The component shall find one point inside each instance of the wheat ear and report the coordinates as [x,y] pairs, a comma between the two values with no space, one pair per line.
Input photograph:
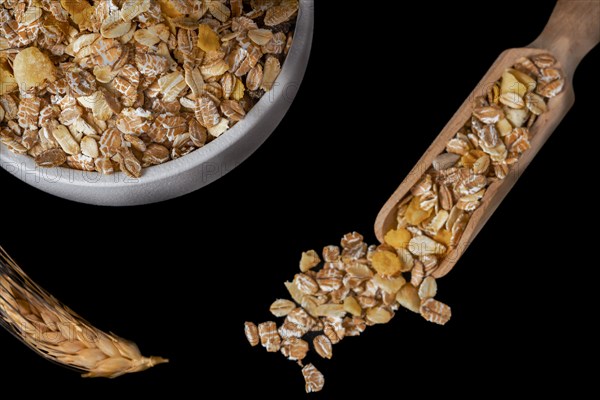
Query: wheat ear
[57,333]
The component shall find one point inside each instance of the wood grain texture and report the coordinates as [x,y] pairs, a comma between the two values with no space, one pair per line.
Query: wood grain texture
[572,31]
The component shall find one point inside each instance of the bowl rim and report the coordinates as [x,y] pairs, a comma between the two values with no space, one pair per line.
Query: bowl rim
[73,177]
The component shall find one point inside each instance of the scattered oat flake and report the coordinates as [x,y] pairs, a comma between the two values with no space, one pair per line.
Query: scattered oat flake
[314,378]
[251,332]
[435,311]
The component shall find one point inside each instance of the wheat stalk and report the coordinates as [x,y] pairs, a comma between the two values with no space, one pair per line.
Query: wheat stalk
[57,333]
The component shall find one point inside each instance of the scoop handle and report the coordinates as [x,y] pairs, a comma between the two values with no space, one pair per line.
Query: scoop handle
[571,32]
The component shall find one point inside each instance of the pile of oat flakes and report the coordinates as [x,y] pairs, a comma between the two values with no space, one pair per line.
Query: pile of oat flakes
[434,215]
[354,287]
[120,85]
[360,285]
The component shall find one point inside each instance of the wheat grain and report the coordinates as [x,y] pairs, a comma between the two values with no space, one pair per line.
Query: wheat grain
[57,333]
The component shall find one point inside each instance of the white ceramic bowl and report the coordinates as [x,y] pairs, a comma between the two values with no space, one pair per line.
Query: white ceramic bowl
[184,175]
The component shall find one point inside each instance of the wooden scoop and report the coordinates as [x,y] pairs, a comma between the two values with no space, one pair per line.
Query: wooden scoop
[572,31]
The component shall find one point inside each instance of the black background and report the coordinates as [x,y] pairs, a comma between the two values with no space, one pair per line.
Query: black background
[181,277]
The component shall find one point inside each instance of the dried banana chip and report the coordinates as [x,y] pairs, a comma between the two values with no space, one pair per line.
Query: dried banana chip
[33,68]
